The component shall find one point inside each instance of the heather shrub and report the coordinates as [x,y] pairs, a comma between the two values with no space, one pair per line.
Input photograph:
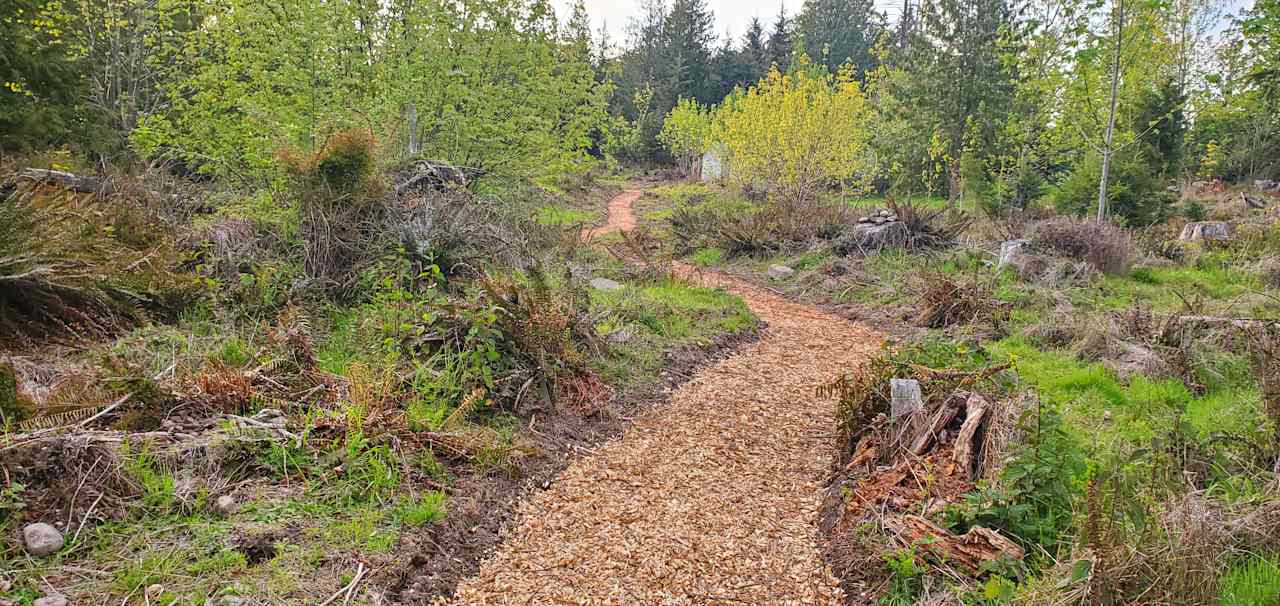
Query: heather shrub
[1103,245]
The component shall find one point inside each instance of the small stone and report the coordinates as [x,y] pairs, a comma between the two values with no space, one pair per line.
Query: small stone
[779,272]
[604,284]
[225,505]
[232,600]
[52,599]
[830,283]
[154,591]
[42,539]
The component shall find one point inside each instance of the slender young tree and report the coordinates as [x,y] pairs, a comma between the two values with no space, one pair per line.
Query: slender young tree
[779,44]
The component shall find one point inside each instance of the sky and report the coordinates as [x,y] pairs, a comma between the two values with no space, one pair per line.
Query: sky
[731,15]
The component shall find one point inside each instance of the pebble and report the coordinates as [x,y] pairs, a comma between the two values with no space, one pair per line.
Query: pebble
[42,539]
[52,599]
[780,271]
[225,505]
[604,284]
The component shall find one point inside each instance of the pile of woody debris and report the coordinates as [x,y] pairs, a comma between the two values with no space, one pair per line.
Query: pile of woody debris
[916,440]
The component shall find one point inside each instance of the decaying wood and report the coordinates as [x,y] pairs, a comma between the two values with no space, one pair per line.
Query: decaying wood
[925,438]
[967,552]
[965,449]
[75,183]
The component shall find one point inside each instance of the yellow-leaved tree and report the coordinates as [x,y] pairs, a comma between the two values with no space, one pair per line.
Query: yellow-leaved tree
[798,133]
[685,131]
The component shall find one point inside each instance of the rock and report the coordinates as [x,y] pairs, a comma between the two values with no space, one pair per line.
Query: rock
[1266,185]
[41,539]
[605,284]
[154,591]
[870,238]
[621,336]
[906,398]
[225,505]
[830,283]
[1203,231]
[1008,249]
[52,599]
[779,272]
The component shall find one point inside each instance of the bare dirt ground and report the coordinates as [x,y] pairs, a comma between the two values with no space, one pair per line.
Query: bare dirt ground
[710,498]
[620,217]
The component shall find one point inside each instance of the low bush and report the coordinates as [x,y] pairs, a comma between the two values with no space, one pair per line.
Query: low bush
[340,200]
[1133,192]
[1102,245]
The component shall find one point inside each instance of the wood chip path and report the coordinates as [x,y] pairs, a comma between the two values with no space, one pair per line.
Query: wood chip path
[710,498]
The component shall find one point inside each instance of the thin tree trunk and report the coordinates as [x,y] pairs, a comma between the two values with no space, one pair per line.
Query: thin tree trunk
[1107,149]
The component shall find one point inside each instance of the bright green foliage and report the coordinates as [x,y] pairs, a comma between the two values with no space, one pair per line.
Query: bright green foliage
[479,84]
[428,509]
[1255,582]
[686,132]
[1134,193]
[798,133]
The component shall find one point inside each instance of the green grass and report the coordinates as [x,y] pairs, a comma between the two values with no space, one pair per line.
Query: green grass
[1255,582]
[881,201]
[657,317]
[1210,278]
[706,257]
[1140,410]
[563,216]
[428,509]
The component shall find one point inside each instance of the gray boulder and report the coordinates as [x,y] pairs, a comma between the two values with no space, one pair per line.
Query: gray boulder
[1204,231]
[604,284]
[779,272]
[41,539]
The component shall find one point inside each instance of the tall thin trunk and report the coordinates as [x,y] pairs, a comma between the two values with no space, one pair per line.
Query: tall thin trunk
[1107,150]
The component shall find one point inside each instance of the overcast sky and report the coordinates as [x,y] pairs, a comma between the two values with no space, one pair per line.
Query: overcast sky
[731,15]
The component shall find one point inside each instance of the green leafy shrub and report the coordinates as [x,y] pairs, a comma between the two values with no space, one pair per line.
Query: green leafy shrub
[1133,192]
[1035,497]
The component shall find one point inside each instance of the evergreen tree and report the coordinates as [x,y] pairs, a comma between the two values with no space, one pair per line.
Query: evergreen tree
[39,80]
[688,39]
[839,31]
[755,48]
[779,44]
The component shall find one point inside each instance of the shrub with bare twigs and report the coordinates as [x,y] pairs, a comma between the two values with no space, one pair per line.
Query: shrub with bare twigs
[1102,245]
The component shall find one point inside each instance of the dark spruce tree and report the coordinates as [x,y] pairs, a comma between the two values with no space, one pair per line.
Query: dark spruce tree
[840,31]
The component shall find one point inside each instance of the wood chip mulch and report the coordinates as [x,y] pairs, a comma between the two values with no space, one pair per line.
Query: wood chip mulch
[710,498]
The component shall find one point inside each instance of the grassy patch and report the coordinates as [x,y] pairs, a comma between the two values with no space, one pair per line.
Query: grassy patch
[564,217]
[645,321]
[1254,582]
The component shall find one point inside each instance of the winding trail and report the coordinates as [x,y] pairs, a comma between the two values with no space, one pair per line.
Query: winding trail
[710,498]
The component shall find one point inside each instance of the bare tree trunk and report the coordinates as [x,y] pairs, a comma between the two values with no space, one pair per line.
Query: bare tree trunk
[412,112]
[1107,149]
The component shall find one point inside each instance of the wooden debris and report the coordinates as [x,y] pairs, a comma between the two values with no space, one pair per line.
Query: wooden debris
[966,451]
[923,440]
[967,552]
[75,183]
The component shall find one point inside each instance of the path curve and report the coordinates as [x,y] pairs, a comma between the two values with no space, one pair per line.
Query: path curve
[710,498]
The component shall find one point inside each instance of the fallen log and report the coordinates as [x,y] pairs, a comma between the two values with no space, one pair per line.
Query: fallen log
[968,552]
[66,180]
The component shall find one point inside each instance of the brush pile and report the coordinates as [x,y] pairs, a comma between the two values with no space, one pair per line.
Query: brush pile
[915,440]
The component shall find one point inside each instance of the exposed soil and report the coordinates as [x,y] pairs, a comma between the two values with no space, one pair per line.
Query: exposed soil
[710,497]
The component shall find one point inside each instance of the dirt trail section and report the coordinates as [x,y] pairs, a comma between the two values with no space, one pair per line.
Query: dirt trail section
[711,498]
[620,217]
